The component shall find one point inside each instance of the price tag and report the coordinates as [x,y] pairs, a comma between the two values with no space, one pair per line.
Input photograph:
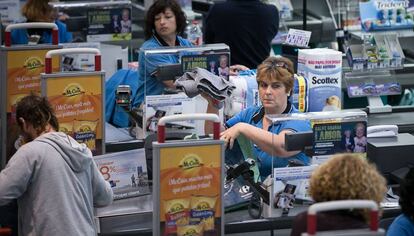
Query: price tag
[358,66]
[298,37]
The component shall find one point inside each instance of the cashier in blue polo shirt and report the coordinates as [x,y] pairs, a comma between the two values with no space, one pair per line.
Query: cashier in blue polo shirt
[275,82]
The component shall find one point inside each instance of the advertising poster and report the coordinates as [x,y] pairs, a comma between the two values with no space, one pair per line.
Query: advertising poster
[77,101]
[109,24]
[190,190]
[379,15]
[216,63]
[10,12]
[159,106]
[79,62]
[340,137]
[291,183]
[23,78]
[126,172]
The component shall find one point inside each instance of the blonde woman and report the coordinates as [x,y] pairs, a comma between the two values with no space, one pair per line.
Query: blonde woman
[275,82]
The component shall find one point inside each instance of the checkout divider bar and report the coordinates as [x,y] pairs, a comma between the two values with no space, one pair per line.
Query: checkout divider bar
[31,25]
[183,117]
[66,51]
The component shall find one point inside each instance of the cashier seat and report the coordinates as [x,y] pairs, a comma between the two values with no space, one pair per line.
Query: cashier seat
[148,147]
[5,232]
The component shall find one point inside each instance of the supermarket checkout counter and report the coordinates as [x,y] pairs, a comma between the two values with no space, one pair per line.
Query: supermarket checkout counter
[133,216]
[119,139]
[140,223]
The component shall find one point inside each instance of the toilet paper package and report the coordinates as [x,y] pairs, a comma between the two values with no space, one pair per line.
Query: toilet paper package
[322,69]
[245,94]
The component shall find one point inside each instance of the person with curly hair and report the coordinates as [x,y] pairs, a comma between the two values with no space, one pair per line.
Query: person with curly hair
[343,177]
[403,225]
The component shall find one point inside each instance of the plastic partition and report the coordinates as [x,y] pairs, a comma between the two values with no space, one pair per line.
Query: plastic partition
[159,67]
[314,137]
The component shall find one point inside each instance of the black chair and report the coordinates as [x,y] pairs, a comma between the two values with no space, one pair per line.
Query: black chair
[8,219]
[148,147]
[385,223]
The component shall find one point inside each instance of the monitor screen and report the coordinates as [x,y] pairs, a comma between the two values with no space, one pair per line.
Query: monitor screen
[392,153]
[410,6]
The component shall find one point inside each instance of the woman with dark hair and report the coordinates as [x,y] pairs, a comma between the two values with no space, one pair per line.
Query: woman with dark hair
[38,112]
[40,11]
[51,175]
[165,22]
[403,225]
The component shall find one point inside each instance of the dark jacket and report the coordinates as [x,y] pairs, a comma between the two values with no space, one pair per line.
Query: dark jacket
[347,147]
[247,26]
[326,221]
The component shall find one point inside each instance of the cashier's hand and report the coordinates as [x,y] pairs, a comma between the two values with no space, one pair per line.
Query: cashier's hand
[212,103]
[234,69]
[231,134]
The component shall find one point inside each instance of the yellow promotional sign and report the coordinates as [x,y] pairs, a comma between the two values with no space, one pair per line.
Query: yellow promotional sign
[23,70]
[190,190]
[77,101]
[23,73]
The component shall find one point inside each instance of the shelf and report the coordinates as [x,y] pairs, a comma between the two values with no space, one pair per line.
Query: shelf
[400,33]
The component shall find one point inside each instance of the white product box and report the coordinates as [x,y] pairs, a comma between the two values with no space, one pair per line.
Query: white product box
[322,69]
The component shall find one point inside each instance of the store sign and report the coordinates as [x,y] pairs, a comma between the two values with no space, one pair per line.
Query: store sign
[385,15]
[338,137]
[190,190]
[388,4]
[20,72]
[77,101]
[126,172]
[109,24]
[299,38]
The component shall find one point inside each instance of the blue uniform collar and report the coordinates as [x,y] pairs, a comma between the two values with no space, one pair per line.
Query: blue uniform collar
[258,116]
[161,41]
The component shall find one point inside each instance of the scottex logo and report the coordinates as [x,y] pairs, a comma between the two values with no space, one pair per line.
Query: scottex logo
[327,80]
[190,161]
[73,90]
[33,63]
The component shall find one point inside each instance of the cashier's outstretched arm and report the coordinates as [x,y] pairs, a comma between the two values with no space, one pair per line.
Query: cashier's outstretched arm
[273,144]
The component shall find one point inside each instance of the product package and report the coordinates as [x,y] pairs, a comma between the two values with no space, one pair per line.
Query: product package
[299,97]
[379,15]
[322,68]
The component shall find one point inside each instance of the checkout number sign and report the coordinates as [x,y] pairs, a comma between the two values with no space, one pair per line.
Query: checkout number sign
[77,101]
[190,190]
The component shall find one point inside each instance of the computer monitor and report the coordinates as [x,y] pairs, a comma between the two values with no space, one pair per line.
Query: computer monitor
[202,6]
[391,154]
[410,6]
[76,23]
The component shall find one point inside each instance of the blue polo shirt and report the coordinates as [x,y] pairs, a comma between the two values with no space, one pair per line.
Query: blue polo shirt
[401,226]
[254,116]
[20,36]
